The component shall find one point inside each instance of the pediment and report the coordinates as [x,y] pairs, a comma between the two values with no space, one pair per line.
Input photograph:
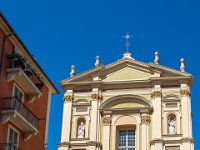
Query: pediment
[125,69]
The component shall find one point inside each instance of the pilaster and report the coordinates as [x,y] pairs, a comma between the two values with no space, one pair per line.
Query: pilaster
[157,117]
[67,115]
[145,120]
[106,122]
[186,110]
[187,141]
[96,97]
[157,113]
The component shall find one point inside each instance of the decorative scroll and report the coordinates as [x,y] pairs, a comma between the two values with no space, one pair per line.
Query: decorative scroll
[145,119]
[68,98]
[106,121]
[156,94]
[185,93]
[97,96]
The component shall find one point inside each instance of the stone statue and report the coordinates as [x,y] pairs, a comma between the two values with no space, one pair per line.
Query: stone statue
[172,129]
[81,131]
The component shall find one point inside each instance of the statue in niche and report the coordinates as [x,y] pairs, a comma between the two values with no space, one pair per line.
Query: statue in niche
[81,131]
[171,124]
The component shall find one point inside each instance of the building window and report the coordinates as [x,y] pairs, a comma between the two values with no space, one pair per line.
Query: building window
[13,138]
[126,140]
[18,94]
[81,109]
[172,148]
[171,105]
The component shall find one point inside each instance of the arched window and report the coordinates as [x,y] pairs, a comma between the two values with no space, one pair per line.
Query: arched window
[80,131]
[172,124]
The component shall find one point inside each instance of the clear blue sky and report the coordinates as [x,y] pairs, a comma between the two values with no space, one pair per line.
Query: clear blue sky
[60,33]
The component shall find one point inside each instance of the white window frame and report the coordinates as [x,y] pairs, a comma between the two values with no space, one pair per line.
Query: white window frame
[126,129]
[16,86]
[168,145]
[8,134]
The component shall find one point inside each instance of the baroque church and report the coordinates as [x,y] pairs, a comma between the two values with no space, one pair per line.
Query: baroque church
[127,105]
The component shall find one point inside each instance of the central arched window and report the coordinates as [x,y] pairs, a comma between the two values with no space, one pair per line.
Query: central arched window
[126,137]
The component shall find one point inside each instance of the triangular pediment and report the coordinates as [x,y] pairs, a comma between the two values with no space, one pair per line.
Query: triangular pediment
[125,69]
[126,73]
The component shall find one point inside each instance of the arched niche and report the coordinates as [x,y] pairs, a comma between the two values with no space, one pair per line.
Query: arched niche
[172,124]
[76,121]
[81,121]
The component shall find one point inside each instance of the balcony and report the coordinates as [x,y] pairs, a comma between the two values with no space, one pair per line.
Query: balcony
[14,111]
[8,146]
[20,72]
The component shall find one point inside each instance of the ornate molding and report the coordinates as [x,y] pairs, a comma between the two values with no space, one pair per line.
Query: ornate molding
[156,140]
[185,93]
[106,121]
[145,119]
[64,144]
[156,94]
[187,139]
[68,98]
[96,96]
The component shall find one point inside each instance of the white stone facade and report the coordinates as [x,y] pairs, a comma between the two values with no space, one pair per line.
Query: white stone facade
[128,100]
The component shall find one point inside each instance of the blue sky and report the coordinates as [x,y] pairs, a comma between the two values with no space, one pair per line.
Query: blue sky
[60,33]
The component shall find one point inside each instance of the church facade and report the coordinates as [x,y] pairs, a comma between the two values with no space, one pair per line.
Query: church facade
[127,105]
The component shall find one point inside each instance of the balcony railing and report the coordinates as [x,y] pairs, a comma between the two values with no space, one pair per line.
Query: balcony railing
[8,146]
[17,61]
[12,103]
[20,72]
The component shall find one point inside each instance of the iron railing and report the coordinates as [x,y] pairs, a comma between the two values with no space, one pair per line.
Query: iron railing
[17,61]
[8,146]
[12,103]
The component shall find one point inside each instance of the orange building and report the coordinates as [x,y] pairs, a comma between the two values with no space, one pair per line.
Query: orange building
[25,95]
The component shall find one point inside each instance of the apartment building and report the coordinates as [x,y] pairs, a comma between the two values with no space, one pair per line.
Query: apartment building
[25,95]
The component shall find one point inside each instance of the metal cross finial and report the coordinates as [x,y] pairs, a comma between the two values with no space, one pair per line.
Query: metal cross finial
[127,36]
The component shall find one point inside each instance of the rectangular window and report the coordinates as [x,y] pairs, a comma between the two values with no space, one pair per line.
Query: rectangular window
[13,139]
[126,140]
[18,94]
[81,109]
[171,105]
[172,148]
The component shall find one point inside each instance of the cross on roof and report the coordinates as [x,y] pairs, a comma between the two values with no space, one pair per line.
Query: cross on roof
[127,36]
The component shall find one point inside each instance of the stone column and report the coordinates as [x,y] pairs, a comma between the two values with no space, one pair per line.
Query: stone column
[106,121]
[66,124]
[145,120]
[157,116]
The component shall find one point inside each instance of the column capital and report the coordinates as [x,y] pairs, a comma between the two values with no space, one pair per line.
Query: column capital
[96,96]
[185,93]
[106,121]
[68,98]
[156,94]
[145,119]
